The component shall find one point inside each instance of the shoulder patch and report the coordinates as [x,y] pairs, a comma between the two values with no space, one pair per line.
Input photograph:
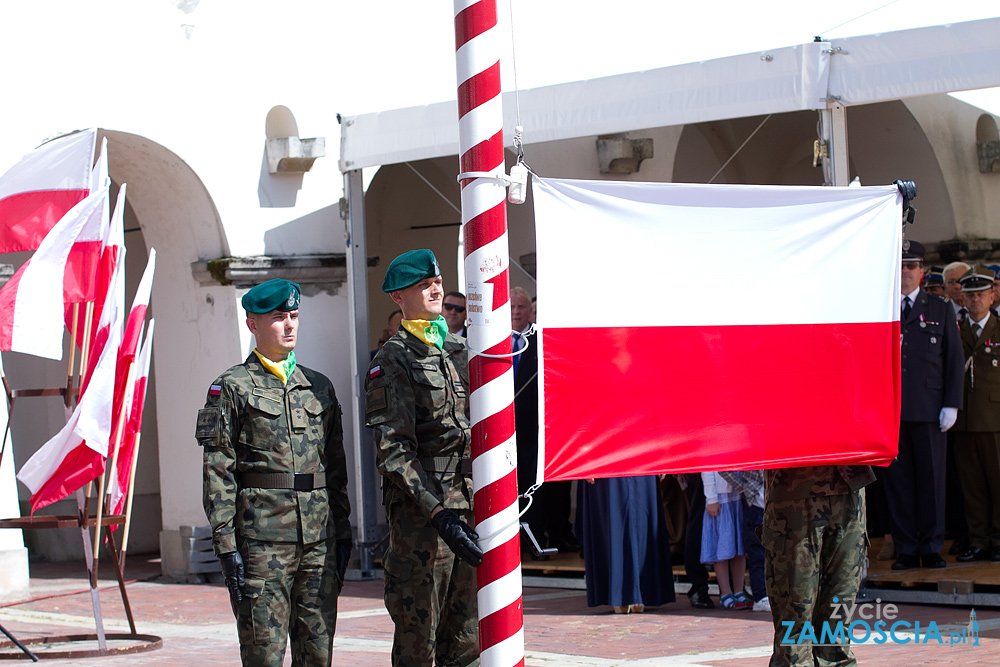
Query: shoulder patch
[215,390]
[375,400]
[374,372]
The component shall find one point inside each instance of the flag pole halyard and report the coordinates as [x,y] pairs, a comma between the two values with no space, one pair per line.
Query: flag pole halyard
[484,225]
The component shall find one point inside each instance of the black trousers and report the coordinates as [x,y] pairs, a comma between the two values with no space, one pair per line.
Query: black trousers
[696,572]
[915,489]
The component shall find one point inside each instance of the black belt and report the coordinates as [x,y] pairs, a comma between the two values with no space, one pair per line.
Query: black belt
[444,464]
[299,481]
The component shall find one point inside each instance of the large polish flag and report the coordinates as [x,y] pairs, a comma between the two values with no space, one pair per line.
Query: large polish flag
[31,302]
[42,187]
[77,454]
[695,327]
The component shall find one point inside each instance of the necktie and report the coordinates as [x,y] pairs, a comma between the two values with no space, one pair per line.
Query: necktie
[976,329]
[962,312]
[906,307]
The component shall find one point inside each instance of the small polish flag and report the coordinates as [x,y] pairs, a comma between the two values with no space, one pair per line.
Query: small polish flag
[375,371]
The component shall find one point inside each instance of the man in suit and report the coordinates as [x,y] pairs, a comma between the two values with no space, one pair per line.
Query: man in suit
[932,365]
[548,516]
[977,452]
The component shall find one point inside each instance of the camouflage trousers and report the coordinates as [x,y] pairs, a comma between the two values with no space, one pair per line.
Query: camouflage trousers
[290,591]
[816,549]
[429,592]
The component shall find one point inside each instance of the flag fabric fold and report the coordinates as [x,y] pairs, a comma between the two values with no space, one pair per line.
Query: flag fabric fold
[119,487]
[42,187]
[80,278]
[691,327]
[31,302]
[76,455]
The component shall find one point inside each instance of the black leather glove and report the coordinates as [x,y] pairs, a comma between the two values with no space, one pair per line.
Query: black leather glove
[344,548]
[232,570]
[459,536]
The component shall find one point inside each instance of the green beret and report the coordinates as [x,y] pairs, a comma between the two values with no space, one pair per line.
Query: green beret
[409,269]
[277,294]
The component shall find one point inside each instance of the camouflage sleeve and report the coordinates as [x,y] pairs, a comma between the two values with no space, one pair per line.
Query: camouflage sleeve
[216,432]
[336,472]
[390,410]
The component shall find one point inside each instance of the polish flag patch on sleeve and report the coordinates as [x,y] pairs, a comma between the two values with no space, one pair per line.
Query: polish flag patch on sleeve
[374,372]
[215,390]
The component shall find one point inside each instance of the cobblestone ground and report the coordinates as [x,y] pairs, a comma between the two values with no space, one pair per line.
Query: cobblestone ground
[196,626]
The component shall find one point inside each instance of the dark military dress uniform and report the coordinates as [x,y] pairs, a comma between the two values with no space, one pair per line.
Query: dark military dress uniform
[418,406]
[931,378]
[815,543]
[977,436]
[276,491]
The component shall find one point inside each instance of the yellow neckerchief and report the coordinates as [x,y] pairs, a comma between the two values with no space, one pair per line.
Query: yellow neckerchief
[432,333]
[280,369]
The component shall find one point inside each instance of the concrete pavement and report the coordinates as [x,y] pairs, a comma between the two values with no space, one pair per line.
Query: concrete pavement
[196,625]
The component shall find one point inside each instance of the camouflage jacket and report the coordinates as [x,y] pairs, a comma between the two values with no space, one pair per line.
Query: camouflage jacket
[417,402]
[252,423]
[814,481]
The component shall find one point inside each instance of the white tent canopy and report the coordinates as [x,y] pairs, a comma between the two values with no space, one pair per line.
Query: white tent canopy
[850,71]
[817,76]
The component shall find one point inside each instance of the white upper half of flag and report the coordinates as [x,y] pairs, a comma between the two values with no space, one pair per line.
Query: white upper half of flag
[614,253]
[62,164]
[145,353]
[95,407]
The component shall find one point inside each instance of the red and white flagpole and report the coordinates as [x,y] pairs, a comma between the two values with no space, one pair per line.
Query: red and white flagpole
[484,220]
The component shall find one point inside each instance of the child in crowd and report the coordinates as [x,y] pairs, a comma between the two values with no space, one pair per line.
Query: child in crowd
[722,540]
[750,485]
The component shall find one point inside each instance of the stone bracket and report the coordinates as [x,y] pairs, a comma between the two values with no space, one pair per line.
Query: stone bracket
[291,155]
[617,154]
[243,272]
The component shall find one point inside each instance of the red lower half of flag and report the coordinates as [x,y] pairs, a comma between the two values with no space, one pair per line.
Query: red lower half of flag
[80,465]
[645,400]
[26,217]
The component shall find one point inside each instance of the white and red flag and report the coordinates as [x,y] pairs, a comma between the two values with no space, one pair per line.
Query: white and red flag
[696,327]
[31,302]
[130,346]
[76,455]
[80,279]
[42,187]
[119,486]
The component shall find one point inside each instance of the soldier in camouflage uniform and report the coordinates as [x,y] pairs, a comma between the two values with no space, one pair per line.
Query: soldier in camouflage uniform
[418,405]
[815,542]
[276,489]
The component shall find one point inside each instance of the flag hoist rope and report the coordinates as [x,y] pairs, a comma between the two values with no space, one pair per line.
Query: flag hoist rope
[484,224]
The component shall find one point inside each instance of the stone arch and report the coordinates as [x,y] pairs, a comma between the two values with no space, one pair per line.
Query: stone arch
[170,209]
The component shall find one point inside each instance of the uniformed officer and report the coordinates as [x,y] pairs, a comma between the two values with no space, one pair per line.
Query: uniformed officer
[931,364]
[276,489]
[815,548]
[418,405]
[977,448]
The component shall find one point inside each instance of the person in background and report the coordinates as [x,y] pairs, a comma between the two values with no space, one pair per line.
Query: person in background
[625,551]
[391,327]
[454,313]
[722,540]
[750,485]
[934,281]
[931,373]
[952,288]
[977,432]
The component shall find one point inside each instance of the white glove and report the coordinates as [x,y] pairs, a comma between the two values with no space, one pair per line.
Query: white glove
[947,418]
